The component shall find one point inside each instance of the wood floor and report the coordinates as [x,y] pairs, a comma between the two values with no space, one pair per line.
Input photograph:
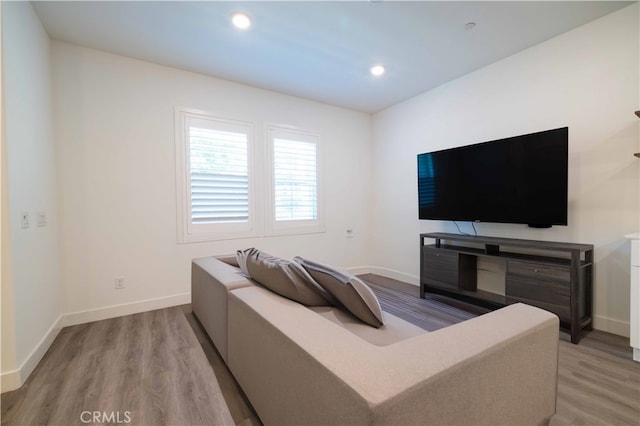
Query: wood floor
[598,383]
[148,368]
[162,368]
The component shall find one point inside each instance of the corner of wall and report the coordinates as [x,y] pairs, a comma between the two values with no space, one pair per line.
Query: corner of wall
[29,324]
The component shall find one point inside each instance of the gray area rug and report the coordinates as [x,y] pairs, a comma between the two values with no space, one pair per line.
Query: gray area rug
[429,314]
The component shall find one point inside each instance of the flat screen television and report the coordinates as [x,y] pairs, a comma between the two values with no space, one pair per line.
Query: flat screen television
[521,179]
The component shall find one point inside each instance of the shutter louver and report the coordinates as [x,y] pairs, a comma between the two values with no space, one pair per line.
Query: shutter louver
[219,181]
[295,180]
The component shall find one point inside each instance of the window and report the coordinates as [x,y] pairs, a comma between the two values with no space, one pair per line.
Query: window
[227,188]
[214,180]
[294,181]
[219,176]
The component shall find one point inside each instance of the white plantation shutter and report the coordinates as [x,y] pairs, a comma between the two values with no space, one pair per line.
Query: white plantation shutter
[213,169]
[219,176]
[230,185]
[295,180]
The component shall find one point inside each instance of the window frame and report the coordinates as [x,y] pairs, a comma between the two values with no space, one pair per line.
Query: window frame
[189,232]
[261,185]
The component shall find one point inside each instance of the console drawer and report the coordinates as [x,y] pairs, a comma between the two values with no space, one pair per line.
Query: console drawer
[563,311]
[555,273]
[544,286]
[439,267]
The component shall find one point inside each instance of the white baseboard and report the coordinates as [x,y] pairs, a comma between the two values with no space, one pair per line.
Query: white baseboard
[385,272]
[114,311]
[12,380]
[359,270]
[610,325]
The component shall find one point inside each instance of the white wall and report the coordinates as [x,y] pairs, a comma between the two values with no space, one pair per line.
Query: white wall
[30,263]
[586,79]
[114,128]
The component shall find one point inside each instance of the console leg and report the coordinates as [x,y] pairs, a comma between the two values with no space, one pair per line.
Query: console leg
[575,333]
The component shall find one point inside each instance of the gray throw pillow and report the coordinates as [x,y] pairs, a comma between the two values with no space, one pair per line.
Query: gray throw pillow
[241,258]
[348,289]
[283,277]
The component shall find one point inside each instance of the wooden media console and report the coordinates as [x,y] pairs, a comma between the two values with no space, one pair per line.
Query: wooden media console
[554,276]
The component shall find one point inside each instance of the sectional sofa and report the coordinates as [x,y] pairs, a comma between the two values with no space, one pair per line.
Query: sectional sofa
[302,366]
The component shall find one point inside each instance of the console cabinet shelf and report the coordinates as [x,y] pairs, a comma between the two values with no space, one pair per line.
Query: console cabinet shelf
[551,275]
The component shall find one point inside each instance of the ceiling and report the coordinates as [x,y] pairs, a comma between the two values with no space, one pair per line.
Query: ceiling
[321,50]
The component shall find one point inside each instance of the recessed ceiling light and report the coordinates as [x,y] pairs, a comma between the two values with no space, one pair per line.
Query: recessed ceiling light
[241,21]
[469,25]
[377,70]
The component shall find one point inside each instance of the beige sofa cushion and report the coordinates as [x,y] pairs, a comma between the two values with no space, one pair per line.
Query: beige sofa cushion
[394,329]
[348,289]
[283,277]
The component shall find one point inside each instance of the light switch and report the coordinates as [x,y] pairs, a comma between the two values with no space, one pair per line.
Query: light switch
[25,220]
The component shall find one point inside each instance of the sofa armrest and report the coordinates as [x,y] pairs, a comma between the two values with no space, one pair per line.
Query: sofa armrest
[297,367]
[498,368]
[211,280]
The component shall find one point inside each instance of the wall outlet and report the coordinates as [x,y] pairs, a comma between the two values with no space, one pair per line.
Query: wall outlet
[350,233]
[25,221]
[42,219]
[119,283]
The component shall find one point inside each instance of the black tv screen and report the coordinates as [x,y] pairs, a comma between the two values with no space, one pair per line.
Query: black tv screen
[521,179]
